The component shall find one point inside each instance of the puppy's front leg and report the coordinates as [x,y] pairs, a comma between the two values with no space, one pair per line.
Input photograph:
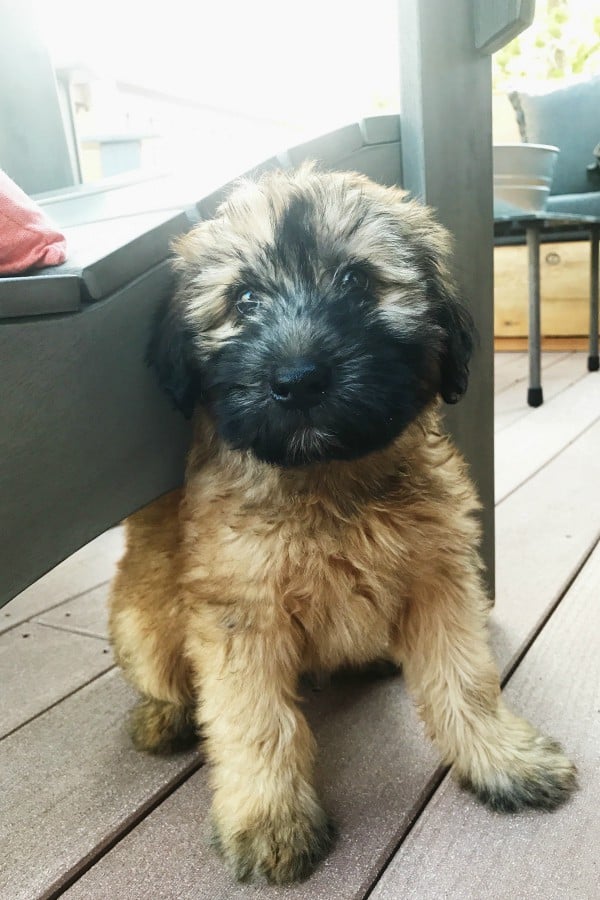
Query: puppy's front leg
[499,756]
[267,819]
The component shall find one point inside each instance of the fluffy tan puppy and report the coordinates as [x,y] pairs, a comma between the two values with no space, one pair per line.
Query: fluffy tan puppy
[326,519]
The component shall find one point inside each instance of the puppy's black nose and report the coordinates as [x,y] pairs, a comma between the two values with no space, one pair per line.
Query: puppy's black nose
[300,384]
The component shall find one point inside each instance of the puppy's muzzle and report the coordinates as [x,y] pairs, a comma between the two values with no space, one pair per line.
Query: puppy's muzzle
[300,384]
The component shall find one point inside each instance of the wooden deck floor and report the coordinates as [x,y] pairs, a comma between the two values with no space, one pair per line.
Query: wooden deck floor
[84,816]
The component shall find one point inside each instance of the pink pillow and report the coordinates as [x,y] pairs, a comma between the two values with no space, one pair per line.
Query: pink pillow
[27,238]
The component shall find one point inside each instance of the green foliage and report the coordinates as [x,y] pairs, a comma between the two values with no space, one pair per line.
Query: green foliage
[563,41]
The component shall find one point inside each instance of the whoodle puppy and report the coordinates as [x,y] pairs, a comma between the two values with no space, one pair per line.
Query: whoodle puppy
[326,518]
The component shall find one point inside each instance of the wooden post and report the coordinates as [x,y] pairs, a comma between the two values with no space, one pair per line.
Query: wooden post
[446,144]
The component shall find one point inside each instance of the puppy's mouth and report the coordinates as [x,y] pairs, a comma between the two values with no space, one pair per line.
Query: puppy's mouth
[299,396]
[309,444]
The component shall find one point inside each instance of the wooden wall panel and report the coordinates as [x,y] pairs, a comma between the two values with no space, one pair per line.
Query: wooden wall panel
[565,289]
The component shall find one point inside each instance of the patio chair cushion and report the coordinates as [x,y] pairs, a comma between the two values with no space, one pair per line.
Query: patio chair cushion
[567,118]
[586,204]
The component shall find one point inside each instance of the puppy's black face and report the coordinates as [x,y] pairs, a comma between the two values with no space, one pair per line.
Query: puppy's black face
[315,319]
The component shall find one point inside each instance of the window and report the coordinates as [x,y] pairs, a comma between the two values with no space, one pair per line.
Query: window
[191,87]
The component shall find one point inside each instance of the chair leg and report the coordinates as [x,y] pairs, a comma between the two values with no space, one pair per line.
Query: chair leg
[535,396]
[593,361]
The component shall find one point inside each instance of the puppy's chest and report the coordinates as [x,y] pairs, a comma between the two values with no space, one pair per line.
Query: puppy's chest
[332,574]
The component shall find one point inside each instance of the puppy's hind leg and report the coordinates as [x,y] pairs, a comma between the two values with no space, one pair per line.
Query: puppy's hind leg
[147,626]
[162,727]
[503,759]
[152,661]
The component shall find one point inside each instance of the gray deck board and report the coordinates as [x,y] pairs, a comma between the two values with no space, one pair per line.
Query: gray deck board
[85,614]
[502,360]
[460,850]
[559,374]
[509,372]
[545,530]
[527,445]
[69,781]
[89,567]
[39,666]
[508,368]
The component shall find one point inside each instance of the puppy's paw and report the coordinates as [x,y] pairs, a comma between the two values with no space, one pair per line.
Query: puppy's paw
[160,727]
[279,850]
[538,775]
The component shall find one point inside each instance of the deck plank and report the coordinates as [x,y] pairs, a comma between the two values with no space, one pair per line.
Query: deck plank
[543,533]
[39,666]
[86,614]
[510,368]
[517,369]
[507,368]
[527,445]
[504,358]
[90,566]
[459,849]
[375,766]
[511,404]
[69,780]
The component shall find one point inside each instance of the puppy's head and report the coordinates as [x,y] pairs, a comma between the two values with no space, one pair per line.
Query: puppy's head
[315,318]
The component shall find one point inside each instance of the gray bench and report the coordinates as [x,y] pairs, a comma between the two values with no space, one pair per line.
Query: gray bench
[86,436]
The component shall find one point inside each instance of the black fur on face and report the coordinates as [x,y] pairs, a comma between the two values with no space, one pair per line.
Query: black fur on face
[315,318]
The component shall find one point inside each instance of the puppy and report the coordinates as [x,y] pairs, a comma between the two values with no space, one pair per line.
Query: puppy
[326,518]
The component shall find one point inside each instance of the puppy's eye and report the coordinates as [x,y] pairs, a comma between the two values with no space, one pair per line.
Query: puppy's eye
[354,280]
[246,301]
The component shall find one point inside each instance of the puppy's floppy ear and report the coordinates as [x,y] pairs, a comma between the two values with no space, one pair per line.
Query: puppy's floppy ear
[171,354]
[449,314]
[432,244]
[458,329]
